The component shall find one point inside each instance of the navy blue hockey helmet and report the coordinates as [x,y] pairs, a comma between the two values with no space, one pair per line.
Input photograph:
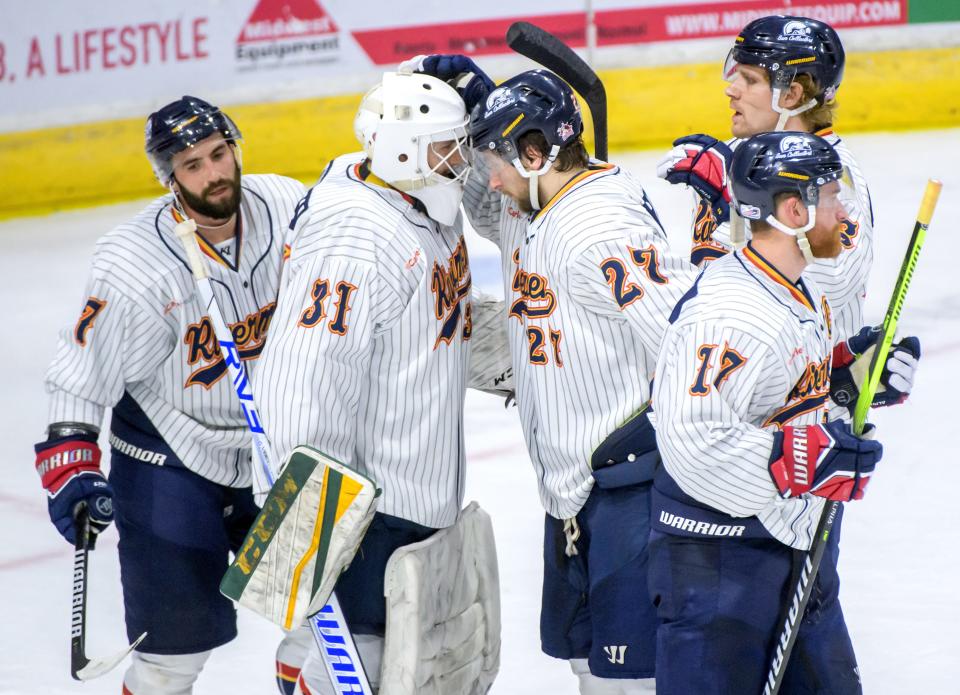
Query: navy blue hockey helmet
[179,125]
[536,100]
[769,164]
[789,46]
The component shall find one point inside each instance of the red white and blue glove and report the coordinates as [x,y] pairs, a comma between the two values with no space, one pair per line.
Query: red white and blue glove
[69,467]
[826,460]
[701,162]
[851,360]
[459,71]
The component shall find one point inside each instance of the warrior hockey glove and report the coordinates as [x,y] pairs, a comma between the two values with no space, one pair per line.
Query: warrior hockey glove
[825,460]
[851,360]
[69,467]
[459,71]
[701,162]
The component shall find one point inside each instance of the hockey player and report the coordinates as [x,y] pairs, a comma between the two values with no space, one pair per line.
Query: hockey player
[749,458]
[367,362]
[590,281]
[783,74]
[179,480]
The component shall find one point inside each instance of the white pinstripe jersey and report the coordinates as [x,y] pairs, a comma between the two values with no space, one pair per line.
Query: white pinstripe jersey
[142,331]
[746,353]
[842,279]
[368,352]
[590,282]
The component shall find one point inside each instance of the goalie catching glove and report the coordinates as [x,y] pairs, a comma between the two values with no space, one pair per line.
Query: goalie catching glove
[304,537]
[851,361]
[826,460]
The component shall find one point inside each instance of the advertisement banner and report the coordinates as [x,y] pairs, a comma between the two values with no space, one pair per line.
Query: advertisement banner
[63,62]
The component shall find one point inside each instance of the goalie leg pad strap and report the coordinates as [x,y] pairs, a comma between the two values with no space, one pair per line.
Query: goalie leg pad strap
[308,531]
[443,612]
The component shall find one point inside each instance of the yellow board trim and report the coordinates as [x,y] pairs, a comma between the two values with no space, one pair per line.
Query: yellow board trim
[43,171]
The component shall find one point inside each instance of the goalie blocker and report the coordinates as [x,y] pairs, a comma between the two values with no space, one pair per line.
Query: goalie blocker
[306,534]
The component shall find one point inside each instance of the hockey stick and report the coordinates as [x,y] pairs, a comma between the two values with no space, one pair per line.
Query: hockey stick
[81,667]
[543,47]
[811,564]
[329,627]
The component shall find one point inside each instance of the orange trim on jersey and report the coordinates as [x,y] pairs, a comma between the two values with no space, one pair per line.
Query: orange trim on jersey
[207,250]
[370,177]
[824,132]
[570,184]
[776,276]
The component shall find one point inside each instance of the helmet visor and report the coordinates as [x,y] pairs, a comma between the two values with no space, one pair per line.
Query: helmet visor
[780,75]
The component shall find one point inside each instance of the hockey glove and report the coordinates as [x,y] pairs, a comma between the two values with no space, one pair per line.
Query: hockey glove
[825,460]
[701,162]
[459,71]
[851,360]
[69,469]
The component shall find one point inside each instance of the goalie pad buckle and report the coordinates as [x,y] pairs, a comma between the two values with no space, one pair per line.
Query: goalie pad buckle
[304,537]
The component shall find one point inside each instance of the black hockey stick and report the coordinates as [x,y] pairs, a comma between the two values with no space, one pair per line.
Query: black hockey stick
[82,668]
[543,47]
[797,604]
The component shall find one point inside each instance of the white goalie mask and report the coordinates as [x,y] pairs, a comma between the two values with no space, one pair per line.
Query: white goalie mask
[404,123]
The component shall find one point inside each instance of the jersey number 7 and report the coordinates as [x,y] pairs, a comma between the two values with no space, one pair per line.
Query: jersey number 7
[729,362]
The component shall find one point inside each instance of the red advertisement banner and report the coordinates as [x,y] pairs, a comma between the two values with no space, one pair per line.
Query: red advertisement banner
[621,27]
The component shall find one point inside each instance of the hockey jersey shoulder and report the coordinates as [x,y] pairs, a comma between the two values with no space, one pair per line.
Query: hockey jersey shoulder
[733,290]
[136,254]
[281,192]
[344,214]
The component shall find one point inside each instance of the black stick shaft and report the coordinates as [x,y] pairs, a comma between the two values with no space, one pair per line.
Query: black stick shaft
[546,49]
[78,605]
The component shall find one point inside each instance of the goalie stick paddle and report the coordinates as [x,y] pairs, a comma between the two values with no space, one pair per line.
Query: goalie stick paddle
[329,627]
[546,49]
[81,667]
[797,602]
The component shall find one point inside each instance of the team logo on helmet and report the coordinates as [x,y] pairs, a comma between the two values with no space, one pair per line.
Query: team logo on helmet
[794,146]
[795,31]
[499,98]
[565,131]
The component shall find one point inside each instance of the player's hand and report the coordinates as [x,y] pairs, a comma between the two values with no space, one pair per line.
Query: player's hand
[851,360]
[825,460]
[701,162]
[459,71]
[69,469]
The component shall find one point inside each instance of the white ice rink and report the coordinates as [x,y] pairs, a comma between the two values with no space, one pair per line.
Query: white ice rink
[901,545]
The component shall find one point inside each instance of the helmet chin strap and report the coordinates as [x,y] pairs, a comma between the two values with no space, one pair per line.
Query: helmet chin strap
[786,114]
[800,233]
[534,176]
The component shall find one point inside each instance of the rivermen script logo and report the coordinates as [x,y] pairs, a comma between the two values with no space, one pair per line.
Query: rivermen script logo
[286,33]
[202,347]
[450,286]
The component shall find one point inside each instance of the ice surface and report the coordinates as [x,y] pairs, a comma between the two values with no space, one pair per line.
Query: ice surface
[901,554]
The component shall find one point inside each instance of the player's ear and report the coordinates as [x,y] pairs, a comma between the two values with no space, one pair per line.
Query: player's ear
[532,157]
[792,97]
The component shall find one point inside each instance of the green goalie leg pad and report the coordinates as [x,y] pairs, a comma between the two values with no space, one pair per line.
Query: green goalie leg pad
[304,537]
